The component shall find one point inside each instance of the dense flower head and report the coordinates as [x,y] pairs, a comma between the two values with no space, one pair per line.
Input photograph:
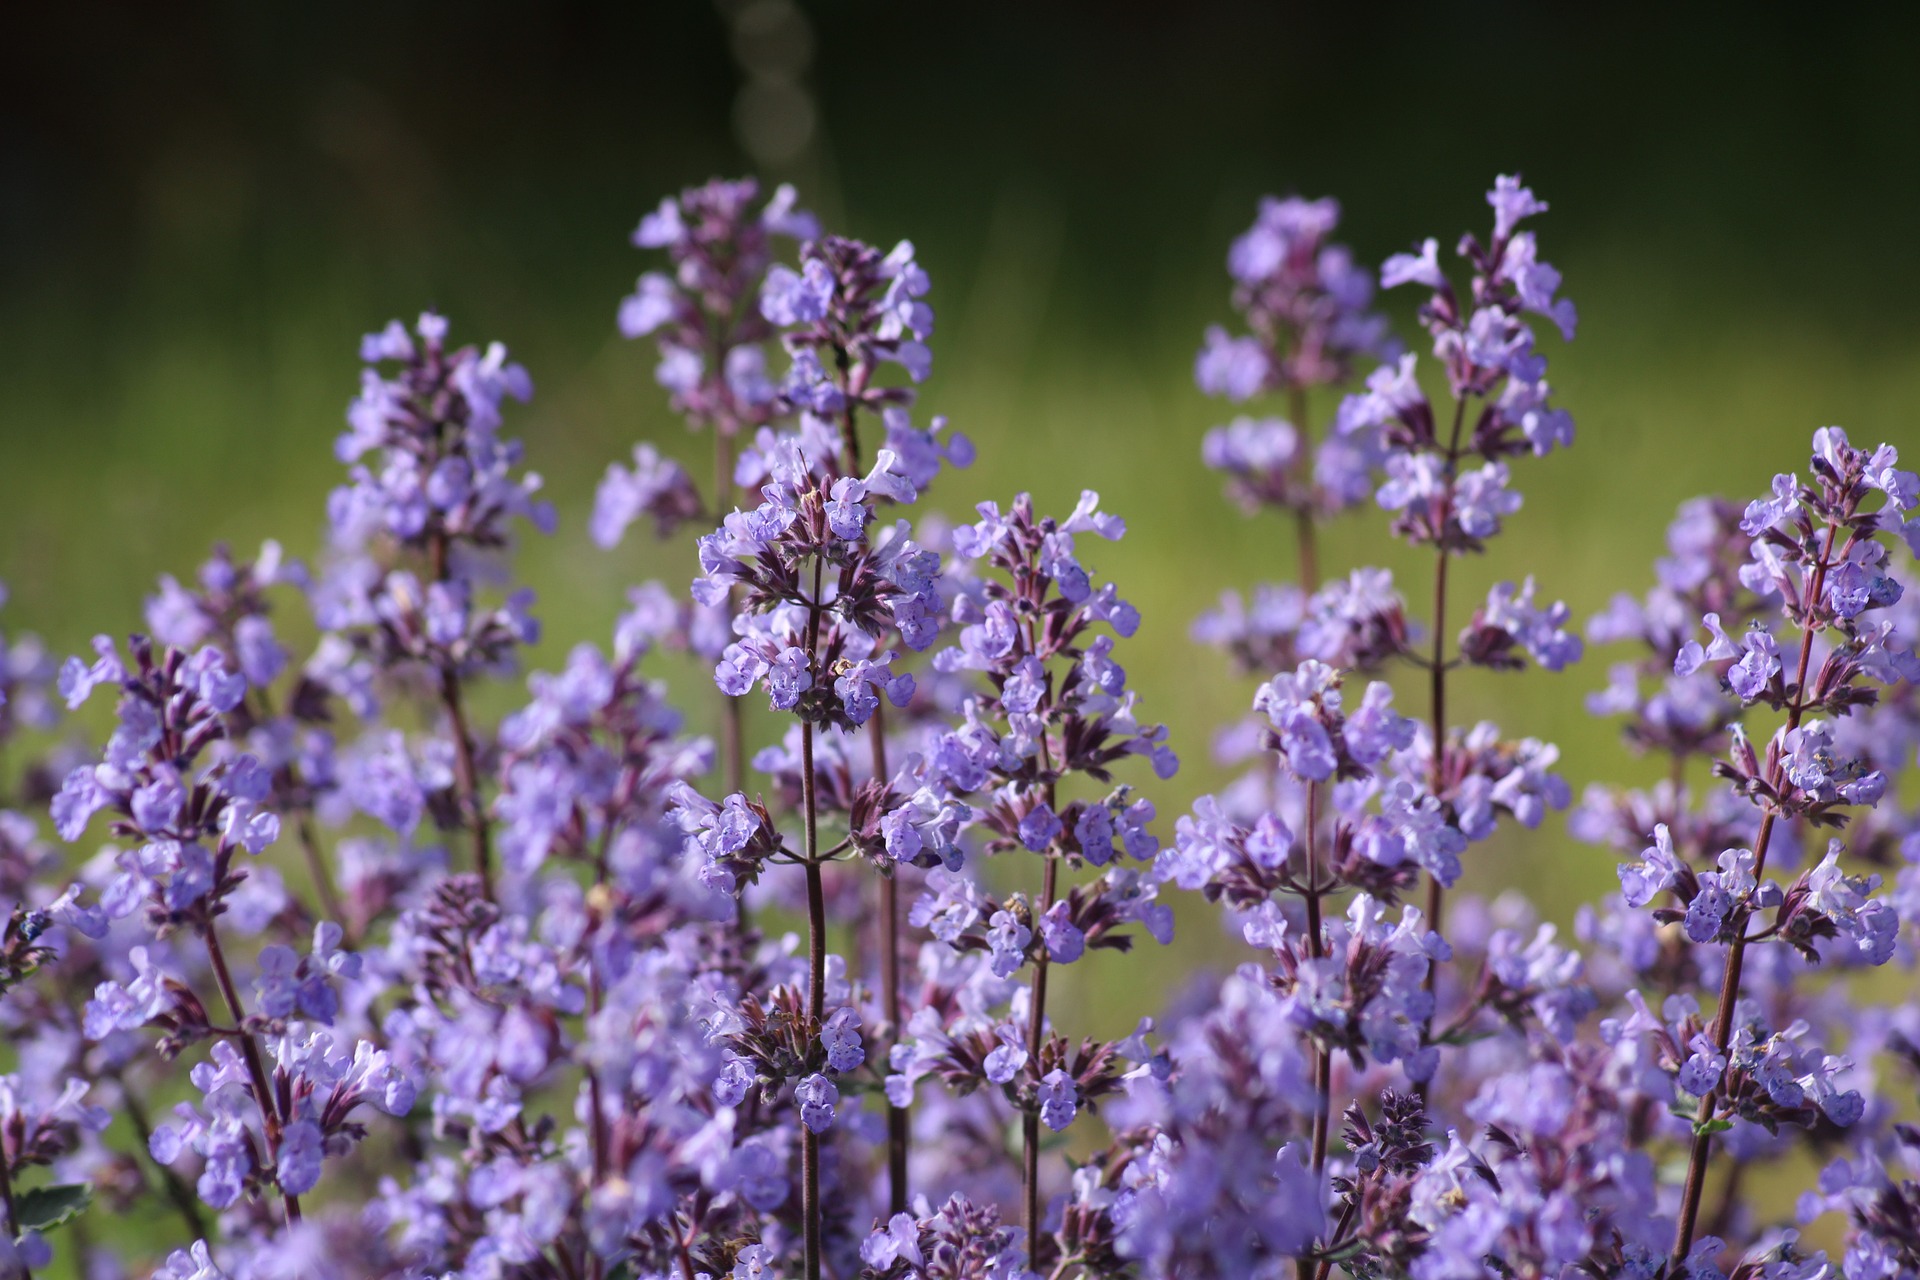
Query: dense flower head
[1044,637]
[1305,300]
[654,486]
[228,606]
[1365,996]
[46,1118]
[323,1086]
[1313,733]
[1509,624]
[1221,1181]
[1670,693]
[1355,623]
[809,557]
[720,240]
[849,309]
[1306,304]
[1484,775]
[26,676]
[1848,647]
[586,763]
[1266,464]
[424,446]
[958,1240]
[1486,348]
[190,823]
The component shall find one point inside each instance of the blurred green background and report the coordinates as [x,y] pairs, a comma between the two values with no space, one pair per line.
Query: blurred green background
[203,206]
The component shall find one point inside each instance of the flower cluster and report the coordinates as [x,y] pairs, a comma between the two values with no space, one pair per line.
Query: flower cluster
[667,1018]
[1485,348]
[719,240]
[1306,304]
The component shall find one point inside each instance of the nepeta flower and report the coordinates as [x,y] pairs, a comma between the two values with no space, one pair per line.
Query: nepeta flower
[442,470]
[1305,300]
[654,486]
[615,1073]
[720,243]
[1315,737]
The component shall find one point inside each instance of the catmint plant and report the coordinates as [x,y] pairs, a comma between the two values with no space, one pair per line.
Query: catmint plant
[192,811]
[245,984]
[229,605]
[706,321]
[1367,991]
[1818,562]
[412,543]
[1485,349]
[846,314]
[1305,301]
[1043,636]
[820,587]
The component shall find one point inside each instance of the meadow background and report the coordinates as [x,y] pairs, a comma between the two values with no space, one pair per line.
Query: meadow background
[203,206]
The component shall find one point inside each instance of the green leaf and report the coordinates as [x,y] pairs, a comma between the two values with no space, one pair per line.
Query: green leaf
[45,1208]
[1711,1126]
[1342,1252]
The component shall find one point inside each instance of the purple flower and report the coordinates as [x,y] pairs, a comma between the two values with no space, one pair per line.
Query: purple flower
[1512,203]
[80,797]
[860,686]
[1692,655]
[1509,619]
[1064,940]
[901,308]
[1375,729]
[1758,664]
[897,1241]
[1701,1071]
[797,297]
[1007,941]
[1059,1100]
[817,1097]
[651,305]
[840,1037]
[1707,913]
[78,680]
[297,1166]
[1004,1062]
[1295,703]
[1093,832]
[1232,367]
[662,227]
[788,676]
[1422,268]
[654,486]
[1039,828]
[195,1263]
[1764,513]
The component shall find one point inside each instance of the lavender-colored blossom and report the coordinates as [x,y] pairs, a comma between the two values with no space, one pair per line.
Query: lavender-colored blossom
[618,1061]
[817,1098]
[841,1040]
[1058,1100]
[654,486]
